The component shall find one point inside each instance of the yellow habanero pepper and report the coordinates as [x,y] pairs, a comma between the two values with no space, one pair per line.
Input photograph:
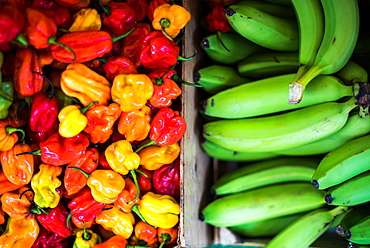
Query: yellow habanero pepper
[72,120]
[121,158]
[44,185]
[20,233]
[86,19]
[158,210]
[86,238]
[131,91]
[154,157]
[117,221]
[79,81]
[170,19]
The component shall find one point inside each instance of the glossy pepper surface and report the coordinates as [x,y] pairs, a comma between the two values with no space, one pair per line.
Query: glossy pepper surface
[86,85]
[117,221]
[170,18]
[20,233]
[116,241]
[121,157]
[47,239]
[216,19]
[126,199]
[159,210]
[154,156]
[100,122]
[74,180]
[168,236]
[166,180]
[60,15]
[145,234]
[17,204]
[12,22]
[45,183]
[18,169]
[119,17]
[152,6]
[131,91]
[140,7]
[8,135]
[116,65]
[6,185]
[135,125]
[86,239]
[86,19]
[167,127]
[145,181]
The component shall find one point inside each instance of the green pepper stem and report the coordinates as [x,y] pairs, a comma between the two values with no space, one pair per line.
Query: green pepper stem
[88,106]
[186,59]
[165,238]
[83,172]
[63,30]
[133,174]
[142,173]
[38,152]
[20,196]
[106,11]
[68,220]
[2,230]
[86,236]
[114,39]
[136,210]
[20,40]
[177,79]
[52,40]
[219,38]
[51,93]
[9,130]
[152,142]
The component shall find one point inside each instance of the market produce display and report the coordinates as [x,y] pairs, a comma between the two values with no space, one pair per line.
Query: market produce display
[90,123]
[286,96]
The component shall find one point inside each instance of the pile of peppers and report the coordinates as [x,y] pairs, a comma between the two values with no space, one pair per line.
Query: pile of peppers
[90,123]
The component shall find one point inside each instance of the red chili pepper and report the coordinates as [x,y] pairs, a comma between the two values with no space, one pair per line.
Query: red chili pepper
[132,45]
[38,137]
[67,3]
[119,17]
[47,239]
[166,180]
[12,22]
[118,65]
[56,221]
[103,163]
[153,5]
[217,22]
[44,4]
[60,15]
[167,127]
[145,182]
[22,5]
[159,51]
[140,7]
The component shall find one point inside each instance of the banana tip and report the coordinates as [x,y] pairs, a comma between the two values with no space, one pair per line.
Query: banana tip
[329,198]
[340,230]
[315,184]
[201,217]
[348,234]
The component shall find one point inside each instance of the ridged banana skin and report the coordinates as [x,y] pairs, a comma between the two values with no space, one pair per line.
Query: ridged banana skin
[272,171]
[265,228]
[262,204]
[306,230]
[239,48]
[339,41]
[281,131]
[355,127]
[343,163]
[220,153]
[263,65]
[352,192]
[352,73]
[270,8]
[360,232]
[350,219]
[268,95]
[311,30]
[271,32]
[215,78]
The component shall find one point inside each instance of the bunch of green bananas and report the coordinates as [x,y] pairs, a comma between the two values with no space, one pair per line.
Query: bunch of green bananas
[288,98]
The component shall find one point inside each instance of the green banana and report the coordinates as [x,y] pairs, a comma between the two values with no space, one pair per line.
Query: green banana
[360,232]
[268,95]
[280,131]
[264,228]
[307,229]
[239,48]
[272,171]
[270,8]
[263,65]
[353,216]
[355,127]
[220,153]
[343,163]
[352,192]
[352,73]
[269,31]
[338,43]
[262,203]
[311,30]
[215,78]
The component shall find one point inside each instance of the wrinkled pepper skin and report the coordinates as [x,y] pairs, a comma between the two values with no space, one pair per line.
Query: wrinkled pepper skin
[124,201]
[86,85]
[48,239]
[6,185]
[152,6]
[116,65]
[159,210]
[166,180]
[20,233]
[86,239]
[131,91]
[12,22]
[168,236]
[140,7]
[18,169]
[170,18]
[26,82]
[115,241]
[167,127]
[100,122]
[60,15]
[57,150]
[121,157]
[105,185]
[145,182]
[74,181]
[146,234]
[117,221]
[38,137]
[56,221]
[135,125]
[86,19]
[87,45]
[8,137]
[159,52]
[18,205]
[45,183]
[216,19]
[119,18]
[154,157]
